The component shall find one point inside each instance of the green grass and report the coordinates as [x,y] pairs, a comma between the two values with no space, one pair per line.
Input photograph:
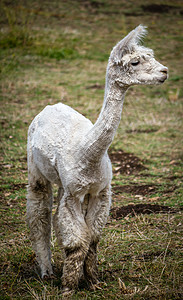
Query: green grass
[57,51]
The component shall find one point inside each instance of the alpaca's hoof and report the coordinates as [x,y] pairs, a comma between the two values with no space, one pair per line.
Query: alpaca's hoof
[93,283]
[95,286]
[47,277]
[67,293]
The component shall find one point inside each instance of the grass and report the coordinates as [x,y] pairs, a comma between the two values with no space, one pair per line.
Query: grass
[57,51]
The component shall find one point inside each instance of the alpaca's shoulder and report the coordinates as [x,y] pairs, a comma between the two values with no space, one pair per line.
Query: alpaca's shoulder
[61,113]
[59,122]
[61,109]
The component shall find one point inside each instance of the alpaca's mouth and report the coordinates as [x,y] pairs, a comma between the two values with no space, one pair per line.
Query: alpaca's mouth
[163,79]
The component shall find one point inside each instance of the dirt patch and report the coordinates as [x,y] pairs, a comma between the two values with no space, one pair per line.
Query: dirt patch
[174,177]
[96,86]
[159,8]
[136,189]
[143,190]
[14,187]
[148,130]
[126,163]
[92,6]
[132,210]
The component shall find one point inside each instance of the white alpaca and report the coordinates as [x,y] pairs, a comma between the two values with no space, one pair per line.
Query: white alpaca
[67,149]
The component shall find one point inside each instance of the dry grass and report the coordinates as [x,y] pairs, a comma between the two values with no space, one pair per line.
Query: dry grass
[57,51]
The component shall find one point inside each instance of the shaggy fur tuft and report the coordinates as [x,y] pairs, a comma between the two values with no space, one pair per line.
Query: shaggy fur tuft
[128,44]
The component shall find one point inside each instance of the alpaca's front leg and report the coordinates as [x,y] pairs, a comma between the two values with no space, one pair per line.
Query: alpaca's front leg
[75,239]
[90,265]
[73,269]
[96,218]
[39,207]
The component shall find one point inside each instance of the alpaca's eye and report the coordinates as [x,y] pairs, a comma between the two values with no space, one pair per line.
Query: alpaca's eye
[135,63]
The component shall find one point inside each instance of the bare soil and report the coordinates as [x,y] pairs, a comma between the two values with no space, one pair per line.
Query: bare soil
[161,8]
[126,163]
[143,190]
[132,210]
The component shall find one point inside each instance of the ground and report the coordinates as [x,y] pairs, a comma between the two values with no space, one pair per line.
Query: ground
[57,51]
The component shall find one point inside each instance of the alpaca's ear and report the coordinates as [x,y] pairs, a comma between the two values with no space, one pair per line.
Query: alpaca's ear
[126,45]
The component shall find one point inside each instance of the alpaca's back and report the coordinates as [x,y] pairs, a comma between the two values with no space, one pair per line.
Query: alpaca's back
[53,139]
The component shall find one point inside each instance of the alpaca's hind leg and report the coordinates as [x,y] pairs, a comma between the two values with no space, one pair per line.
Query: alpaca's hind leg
[39,207]
[73,231]
[56,216]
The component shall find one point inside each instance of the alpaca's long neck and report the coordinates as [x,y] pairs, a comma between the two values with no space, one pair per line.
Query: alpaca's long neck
[100,137]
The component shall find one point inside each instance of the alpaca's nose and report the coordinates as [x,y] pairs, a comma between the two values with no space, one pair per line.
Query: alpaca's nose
[164,70]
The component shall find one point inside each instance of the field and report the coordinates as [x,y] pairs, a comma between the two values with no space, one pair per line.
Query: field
[55,51]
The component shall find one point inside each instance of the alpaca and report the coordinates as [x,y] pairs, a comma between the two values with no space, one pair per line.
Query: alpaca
[67,149]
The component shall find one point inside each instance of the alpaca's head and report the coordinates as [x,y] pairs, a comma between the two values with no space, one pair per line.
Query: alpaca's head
[130,63]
